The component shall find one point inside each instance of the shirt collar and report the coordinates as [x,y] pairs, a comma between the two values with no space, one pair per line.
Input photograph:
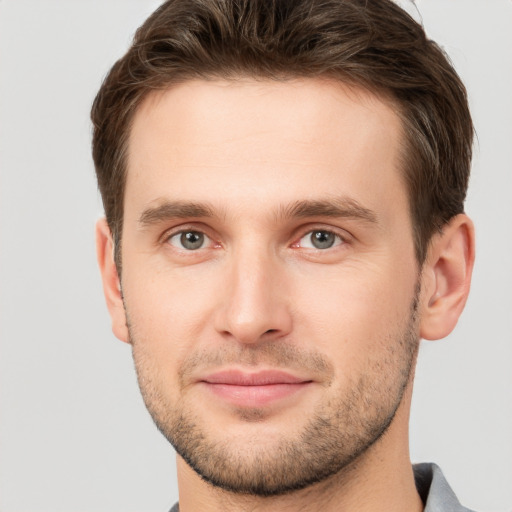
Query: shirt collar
[434,490]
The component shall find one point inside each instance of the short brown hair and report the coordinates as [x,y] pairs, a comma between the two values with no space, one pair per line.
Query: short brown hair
[369,43]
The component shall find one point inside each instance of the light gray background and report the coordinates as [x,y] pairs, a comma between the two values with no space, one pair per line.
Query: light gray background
[74,434]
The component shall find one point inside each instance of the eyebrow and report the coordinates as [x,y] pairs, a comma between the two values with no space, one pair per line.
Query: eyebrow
[342,207]
[174,210]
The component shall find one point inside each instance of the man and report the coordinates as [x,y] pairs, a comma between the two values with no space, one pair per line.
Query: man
[283,185]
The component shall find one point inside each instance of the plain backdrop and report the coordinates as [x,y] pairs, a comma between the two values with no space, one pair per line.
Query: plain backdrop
[74,434]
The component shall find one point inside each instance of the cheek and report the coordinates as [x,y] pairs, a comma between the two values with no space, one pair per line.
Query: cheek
[168,311]
[355,314]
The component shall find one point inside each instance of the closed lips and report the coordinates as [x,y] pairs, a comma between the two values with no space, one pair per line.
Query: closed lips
[264,378]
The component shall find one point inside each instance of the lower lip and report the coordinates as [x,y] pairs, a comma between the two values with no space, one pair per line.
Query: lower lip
[255,396]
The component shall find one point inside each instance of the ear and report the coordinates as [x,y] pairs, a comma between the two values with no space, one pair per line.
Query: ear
[446,277]
[110,278]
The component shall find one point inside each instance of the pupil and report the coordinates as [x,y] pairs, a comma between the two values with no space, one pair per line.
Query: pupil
[322,239]
[192,240]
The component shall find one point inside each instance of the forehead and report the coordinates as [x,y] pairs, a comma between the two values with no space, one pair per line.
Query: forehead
[250,140]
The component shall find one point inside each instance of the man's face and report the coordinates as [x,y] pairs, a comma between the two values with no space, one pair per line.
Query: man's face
[269,276]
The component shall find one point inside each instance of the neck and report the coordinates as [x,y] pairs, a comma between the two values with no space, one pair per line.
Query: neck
[380,479]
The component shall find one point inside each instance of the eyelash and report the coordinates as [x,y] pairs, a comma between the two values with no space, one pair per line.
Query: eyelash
[168,236]
[338,239]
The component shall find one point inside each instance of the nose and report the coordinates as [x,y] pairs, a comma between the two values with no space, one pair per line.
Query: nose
[255,306]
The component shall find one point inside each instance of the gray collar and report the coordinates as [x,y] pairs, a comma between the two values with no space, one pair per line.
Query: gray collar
[434,490]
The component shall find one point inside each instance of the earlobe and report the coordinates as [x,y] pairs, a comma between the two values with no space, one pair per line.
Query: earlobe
[110,278]
[446,277]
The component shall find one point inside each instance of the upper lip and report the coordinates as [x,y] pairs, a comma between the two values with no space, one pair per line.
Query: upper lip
[260,378]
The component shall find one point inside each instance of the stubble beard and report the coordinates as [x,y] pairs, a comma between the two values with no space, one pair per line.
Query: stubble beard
[340,432]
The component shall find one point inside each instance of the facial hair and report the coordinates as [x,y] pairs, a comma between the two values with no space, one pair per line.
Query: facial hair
[342,428]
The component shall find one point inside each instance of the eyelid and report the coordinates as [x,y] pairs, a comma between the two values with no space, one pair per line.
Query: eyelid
[184,228]
[178,245]
[343,235]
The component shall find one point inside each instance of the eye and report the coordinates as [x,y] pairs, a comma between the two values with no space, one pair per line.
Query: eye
[320,239]
[189,240]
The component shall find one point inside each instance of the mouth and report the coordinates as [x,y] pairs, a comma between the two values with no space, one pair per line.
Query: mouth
[246,389]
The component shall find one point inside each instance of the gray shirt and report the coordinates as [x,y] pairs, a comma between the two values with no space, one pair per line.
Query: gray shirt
[432,487]
[434,490]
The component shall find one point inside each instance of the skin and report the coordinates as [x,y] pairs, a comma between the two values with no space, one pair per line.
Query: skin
[242,165]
